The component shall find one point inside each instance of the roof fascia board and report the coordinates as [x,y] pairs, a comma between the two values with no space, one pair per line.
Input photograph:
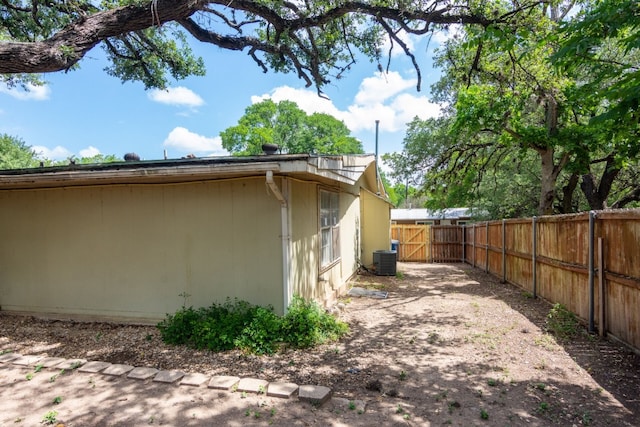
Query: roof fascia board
[163,174]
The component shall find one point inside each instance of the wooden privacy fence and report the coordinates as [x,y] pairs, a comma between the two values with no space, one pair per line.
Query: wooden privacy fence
[428,243]
[588,262]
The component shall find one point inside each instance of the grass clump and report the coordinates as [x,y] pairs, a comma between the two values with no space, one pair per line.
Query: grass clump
[561,322]
[254,329]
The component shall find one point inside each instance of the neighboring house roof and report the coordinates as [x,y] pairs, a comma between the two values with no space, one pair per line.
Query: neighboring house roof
[426,214]
[346,169]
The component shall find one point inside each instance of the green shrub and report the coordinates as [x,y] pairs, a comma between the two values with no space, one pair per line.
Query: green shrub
[254,329]
[306,324]
[262,334]
[178,329]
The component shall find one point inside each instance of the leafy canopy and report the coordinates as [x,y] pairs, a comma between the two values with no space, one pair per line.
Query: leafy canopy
[145,40]
[291,129]
[16,154]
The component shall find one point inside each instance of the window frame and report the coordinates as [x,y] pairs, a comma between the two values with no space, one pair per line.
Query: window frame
[328,228]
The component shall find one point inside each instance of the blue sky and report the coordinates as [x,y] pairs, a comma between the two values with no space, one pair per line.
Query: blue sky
[86,112]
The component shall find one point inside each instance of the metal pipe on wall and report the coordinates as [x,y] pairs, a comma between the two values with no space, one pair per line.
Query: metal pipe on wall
[592,226]
[534,256]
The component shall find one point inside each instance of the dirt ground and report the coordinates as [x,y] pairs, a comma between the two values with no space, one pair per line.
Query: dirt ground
[449,346]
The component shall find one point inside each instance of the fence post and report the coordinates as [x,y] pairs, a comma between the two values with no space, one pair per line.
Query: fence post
[533,257]
[486,246]
[592,222]
[464,243]
[473,247]
[431,245]
[504,251]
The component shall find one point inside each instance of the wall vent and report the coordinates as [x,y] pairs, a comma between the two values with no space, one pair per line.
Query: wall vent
[384,263]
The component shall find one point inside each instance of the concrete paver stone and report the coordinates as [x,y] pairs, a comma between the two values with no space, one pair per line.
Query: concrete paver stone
[195,380]
[223,382]
[142,373]
[284,390]
[253,385]
[168,376]
[8,357]
[314,394]
[50,362]
[27,360]
[118,369]
[94,367]
[70,364]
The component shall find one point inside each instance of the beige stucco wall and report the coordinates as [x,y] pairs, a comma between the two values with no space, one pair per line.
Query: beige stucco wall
[308,279]
[303,203]
[376,225]
[130,251]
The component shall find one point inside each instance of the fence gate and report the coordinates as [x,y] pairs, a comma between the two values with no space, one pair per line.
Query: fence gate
[446,243]
[413,242]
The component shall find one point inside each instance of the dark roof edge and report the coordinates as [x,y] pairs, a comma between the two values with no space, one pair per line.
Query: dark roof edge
[161,163]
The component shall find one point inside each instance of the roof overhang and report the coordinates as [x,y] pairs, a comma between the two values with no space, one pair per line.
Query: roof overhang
[346,169]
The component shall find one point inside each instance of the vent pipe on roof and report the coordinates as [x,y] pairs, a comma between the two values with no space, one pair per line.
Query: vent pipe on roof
[270,148]
[377,171]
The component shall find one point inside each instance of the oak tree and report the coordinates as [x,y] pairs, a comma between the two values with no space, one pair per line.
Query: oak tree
[146,40]
[291,129]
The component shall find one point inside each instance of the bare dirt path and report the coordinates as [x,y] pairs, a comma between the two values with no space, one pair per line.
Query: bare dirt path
[449,346]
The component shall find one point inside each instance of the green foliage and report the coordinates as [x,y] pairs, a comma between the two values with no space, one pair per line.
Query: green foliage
[520,137]
[287,126]
[306,324]
[262,334]
[605,45]
[50,417]
[147,55]
[253,329]
[16,154]
[561,322]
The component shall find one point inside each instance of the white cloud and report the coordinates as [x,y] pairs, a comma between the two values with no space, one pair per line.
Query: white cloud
[408,106]
[186,141]
[307,100]
[381,87]
[441,36]
[32,92]
[90,151]
[388,98]
[408,39]
[57,153]
[180,96]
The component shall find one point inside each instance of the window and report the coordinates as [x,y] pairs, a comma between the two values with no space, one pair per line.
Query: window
[329,228]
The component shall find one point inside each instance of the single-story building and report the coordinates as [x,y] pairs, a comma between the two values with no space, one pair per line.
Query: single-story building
[449,216]
[137,240]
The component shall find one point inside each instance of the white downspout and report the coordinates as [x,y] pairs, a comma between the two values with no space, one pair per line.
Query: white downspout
[284,221]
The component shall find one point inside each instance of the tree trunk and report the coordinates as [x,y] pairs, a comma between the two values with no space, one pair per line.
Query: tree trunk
[66,47]
[547,182]
[597,194]
[567,193]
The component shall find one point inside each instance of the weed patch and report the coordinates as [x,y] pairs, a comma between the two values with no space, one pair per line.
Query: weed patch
[561,322]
